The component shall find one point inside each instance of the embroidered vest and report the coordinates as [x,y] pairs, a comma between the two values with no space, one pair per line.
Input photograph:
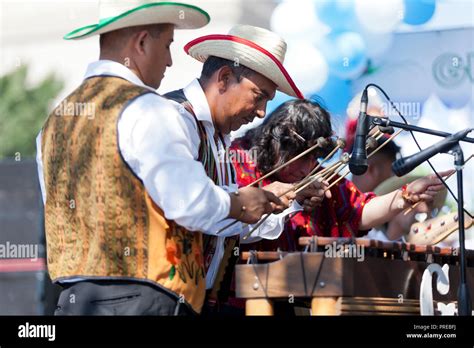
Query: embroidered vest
[100,221]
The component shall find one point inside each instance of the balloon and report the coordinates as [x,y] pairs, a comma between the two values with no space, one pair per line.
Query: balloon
[345,53]
[380,16]
[335,95]
[419,11]
[307,66]
[377,44]
[338,14]
[297,20]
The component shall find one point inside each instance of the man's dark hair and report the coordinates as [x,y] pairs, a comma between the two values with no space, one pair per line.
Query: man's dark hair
[391,149]
[111,38]
[212,64]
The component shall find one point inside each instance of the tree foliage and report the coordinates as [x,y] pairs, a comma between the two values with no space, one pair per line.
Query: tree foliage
[23,110]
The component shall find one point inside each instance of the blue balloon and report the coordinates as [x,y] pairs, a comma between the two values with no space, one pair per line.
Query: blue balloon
[335,96]
[338,14]
[419,11]
[346,54]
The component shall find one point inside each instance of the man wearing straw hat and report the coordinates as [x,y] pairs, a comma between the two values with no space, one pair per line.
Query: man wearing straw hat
[241,73]
[122,193]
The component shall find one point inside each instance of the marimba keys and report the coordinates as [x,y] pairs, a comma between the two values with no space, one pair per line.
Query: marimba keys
[386,281]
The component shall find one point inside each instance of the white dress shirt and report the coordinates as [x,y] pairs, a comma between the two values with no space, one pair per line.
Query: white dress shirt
[159,141]
[156,143]
[272,227]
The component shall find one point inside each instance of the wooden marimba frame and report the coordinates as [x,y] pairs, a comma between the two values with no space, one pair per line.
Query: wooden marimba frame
[387,281]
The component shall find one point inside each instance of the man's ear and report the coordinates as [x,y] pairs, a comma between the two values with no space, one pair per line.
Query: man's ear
[139,41]
[224,78]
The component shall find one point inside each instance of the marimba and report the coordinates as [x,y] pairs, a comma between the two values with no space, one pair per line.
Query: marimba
[339,282]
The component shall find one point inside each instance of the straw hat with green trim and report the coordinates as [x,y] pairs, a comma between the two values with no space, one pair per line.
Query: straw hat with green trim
[118,14]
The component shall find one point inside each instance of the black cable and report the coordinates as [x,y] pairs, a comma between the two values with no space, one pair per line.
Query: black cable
[416,142]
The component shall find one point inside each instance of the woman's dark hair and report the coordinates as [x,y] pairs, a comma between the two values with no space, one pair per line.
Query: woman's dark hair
[289,130]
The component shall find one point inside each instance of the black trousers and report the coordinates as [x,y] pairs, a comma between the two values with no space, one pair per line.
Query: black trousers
[118,297]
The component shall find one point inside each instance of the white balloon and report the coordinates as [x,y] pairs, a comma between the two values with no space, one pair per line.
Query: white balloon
[379,16]
[307,66]
[296,20]
[377,43]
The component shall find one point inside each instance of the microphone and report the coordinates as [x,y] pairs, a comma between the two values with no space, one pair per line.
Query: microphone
[358,161]
[405,165]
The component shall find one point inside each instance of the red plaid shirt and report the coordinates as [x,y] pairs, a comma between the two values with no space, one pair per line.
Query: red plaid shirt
[336,217]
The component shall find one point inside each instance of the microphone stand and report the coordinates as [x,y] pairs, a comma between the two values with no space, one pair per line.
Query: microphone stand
[464,299]
[384,122]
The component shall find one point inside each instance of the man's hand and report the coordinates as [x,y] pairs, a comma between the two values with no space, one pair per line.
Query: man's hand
[257,202]
[312,196]
[280,190]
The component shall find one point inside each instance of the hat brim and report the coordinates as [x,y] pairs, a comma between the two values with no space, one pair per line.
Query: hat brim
[246,53]
[183,16]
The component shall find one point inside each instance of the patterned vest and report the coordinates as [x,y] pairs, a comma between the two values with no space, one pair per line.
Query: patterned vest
[100,221]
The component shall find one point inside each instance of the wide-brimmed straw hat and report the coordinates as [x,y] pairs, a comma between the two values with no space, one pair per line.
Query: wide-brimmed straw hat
[255,48]
[118,14]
